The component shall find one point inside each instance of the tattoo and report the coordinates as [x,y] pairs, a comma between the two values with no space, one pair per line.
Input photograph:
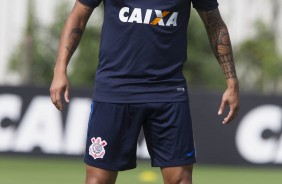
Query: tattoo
[74,39]
[220,42]
[227,65]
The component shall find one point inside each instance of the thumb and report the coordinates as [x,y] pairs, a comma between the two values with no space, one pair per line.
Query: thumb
[66,95]
[221,108]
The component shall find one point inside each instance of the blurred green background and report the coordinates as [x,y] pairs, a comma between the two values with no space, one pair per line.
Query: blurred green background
[15,170]
[258,56]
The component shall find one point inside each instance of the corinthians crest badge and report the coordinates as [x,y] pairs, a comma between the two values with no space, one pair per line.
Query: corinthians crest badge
[96,149]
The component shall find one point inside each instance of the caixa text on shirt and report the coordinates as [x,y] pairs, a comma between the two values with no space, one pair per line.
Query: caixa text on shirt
[148,16]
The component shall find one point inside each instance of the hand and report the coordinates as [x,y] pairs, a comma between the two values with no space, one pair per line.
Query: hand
[230,98]
[60,85]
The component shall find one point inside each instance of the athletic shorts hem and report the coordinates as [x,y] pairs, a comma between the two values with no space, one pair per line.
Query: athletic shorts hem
[97,98]
[173,164]
[108,167]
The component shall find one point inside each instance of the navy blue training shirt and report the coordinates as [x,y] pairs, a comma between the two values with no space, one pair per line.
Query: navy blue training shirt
[143,48]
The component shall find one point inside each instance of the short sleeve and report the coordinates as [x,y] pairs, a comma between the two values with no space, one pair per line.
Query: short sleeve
[91,3]
[206,5]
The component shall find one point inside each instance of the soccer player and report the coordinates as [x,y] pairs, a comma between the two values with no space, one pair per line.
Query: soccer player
[139,83]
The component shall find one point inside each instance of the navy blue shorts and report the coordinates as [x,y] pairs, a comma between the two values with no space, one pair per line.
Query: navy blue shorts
[114,128]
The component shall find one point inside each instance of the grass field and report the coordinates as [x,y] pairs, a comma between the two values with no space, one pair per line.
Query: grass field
[17,170]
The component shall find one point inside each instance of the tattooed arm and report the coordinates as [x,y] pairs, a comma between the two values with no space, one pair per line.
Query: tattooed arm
[221,46]
[70,38]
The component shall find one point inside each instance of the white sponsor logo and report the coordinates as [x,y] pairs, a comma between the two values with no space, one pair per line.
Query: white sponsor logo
[41,125]
[258,137]
[149,16]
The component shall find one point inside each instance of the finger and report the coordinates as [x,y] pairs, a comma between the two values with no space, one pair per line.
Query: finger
[66,95]
[229,117]
[53,98]
[58,100]
[221,108]
[52,95]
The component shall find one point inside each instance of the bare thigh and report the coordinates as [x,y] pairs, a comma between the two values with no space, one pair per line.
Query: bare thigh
[96,175]
[177,175]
